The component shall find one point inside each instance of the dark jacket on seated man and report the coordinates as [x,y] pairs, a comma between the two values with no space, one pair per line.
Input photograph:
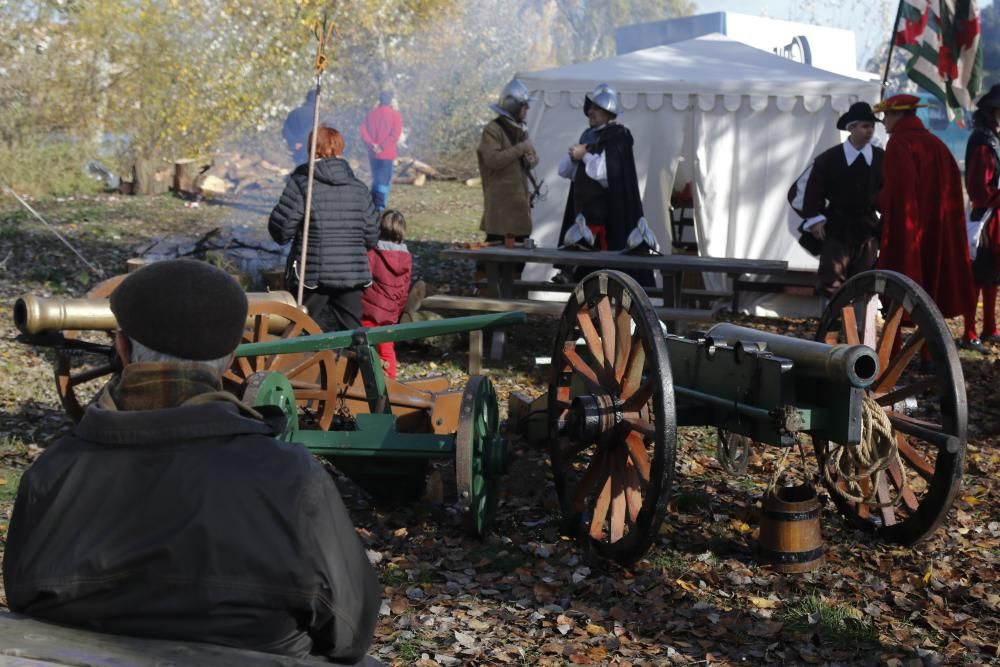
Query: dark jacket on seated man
[171,511]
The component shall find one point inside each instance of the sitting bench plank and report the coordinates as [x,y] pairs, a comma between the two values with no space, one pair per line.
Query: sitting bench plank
[27,641]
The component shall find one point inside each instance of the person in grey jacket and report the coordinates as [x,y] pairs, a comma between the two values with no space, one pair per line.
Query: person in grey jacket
[343,227]
[172,512]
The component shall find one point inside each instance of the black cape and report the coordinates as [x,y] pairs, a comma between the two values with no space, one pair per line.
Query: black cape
[625,204]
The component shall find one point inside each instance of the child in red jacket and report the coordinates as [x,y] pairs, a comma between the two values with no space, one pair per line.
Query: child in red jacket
[384,300]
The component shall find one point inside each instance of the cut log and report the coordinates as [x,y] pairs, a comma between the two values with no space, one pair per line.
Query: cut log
[148,180]
[419,180]
[187,171]
[474,182]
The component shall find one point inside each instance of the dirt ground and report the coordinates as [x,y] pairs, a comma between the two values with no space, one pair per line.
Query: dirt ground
[525,595]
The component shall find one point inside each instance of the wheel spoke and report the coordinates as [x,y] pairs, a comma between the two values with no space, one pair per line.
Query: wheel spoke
[641,396]
[894,369]
[903,485]
[293,365]
[245,367]
[590,335]
[623,343]
[596,472]
[641,426]
[632,377]
[885,500]
[850,324]
[607,322]
[633,490]
[638,454]
[926,431]
[581,367]
[921,465]
[601,510]
[902,393]
[889,333]
[618,502]
[261,325]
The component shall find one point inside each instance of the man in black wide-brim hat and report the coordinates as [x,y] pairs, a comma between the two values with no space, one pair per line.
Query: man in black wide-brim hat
[837,197]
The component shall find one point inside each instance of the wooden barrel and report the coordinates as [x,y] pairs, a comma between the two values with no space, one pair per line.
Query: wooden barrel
[790,538]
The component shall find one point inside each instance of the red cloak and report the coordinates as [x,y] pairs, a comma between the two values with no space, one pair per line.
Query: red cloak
[923,217]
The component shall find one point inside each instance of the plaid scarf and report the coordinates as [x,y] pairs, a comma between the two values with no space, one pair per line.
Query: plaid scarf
[155,386]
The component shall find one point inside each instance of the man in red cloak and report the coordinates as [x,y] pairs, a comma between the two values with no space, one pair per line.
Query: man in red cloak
[923,213]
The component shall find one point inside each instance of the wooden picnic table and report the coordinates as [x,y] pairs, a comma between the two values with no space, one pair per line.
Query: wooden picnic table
[501,264]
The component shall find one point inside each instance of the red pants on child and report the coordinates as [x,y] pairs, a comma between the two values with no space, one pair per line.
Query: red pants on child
[387,351]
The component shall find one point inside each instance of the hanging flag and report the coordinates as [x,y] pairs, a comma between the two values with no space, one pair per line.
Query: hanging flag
[943,39]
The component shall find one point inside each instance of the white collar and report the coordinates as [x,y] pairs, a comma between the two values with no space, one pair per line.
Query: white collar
[852,153]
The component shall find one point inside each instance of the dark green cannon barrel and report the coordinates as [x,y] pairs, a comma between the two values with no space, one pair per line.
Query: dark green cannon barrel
[856,365]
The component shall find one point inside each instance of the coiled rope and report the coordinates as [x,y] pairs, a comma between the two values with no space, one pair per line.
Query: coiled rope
[867,460]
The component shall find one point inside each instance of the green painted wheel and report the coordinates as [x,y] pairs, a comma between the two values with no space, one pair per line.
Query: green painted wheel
[270,388]
[480,455]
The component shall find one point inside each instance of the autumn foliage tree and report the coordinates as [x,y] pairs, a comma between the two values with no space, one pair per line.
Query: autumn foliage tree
[165,79]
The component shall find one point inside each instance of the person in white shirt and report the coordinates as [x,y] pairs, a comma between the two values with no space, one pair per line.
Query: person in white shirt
[838,198]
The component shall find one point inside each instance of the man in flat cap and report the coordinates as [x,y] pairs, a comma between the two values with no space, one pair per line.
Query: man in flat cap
[923,213]
[837,196]
[171,511]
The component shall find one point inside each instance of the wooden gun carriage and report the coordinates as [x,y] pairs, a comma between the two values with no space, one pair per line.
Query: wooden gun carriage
[888,435]
[331,386]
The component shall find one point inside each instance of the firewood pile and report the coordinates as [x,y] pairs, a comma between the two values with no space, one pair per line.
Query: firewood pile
[224,174]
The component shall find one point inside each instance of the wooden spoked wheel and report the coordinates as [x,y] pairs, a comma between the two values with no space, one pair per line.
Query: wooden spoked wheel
[81,375]
[922,391]
[611,413]
[309,373]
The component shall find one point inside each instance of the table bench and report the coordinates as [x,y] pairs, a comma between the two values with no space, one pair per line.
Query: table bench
[501,264]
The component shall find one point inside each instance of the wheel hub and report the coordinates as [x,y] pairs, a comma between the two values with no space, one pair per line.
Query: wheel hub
[591,415]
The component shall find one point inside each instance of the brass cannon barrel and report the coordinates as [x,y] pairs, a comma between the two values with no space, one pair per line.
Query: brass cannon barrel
[856,365]
[34,314]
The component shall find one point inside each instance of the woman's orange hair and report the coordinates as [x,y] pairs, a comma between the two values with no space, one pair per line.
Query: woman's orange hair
[329,142]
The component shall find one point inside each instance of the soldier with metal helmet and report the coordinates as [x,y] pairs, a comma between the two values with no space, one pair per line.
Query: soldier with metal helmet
[506,158]
[605,187]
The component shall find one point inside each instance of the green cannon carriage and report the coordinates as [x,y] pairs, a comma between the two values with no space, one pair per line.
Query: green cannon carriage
[889,435]
[381,433]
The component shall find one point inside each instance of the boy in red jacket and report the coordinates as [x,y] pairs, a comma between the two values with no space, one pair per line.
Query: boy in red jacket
[384,300]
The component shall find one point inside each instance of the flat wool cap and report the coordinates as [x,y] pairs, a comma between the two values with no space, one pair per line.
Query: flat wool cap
[182,307]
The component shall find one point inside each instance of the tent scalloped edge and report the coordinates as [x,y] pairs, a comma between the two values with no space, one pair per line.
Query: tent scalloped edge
[709,101]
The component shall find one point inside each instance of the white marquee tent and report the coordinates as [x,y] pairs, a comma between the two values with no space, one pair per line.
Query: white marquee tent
[736,122]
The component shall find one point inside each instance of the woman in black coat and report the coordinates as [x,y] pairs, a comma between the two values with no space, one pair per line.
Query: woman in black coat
[343,227]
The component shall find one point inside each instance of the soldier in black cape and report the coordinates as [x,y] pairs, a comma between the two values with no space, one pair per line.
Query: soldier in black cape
[604,186]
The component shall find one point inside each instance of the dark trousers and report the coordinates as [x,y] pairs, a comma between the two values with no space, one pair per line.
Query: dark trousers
[381,182]
[344,305]
[840,260]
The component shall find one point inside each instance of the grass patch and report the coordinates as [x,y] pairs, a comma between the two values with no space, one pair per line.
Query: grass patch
[9,480]
[394,575]
[409,650]
[667,560]
[835,624]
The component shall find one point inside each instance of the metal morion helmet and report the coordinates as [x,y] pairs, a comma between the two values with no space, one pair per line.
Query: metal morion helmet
[513,96]
[605,97]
